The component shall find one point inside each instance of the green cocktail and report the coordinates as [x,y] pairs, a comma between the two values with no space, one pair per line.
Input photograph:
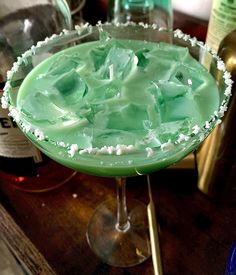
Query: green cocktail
[118,107]
[117,101]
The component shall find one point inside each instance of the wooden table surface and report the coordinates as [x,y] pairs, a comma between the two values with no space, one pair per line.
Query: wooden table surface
[47,231]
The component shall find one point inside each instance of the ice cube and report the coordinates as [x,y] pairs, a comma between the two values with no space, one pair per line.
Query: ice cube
[179,108]
[109,137]
[98,56]
[104,37]
[107,91]
[73,135]
[129,117]
[47,110]
[123,61]
[71,87]
[159,67]
[171,130]
[150,139]
[169,52]
[64,63]
[170,89]
[187,76]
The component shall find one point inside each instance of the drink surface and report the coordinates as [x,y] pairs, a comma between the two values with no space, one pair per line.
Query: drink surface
[122,105]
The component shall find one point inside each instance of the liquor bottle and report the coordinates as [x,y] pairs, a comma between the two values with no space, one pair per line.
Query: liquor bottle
[147,11]
[22,24]
[222,21]
[17,154]
[216,159]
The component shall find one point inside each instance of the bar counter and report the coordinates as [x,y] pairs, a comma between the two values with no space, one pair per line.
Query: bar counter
[47,231]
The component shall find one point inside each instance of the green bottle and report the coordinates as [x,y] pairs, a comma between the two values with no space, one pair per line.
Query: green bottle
[222,22]
[147,11]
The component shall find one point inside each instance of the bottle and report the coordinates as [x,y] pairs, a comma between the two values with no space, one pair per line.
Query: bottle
[222,21]
[22,24]
[147,11]
[216,159]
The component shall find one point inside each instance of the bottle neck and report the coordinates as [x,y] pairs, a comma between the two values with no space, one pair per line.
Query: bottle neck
[138,4]
[146,11]
[147,4]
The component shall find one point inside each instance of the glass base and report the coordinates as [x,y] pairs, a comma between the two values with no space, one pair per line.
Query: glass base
[120,248]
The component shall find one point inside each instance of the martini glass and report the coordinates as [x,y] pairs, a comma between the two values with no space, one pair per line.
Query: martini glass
[118,230]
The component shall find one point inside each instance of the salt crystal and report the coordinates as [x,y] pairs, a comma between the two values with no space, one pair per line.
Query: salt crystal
[196,129]
[221,65]
[183,137]
[228,91]
[103,150]
[53,36]
[14,113]
[207,125]
[149,151]
[9,75]
[15,67]
[4,102]
[39,44]
[83,151]
[222,110]
[33,49]
[193,41]
[61,144]
[73,149]
[26,127]
[39,134]
[167,146]
[119,152]
[227,77]
[178,33]
[110,150]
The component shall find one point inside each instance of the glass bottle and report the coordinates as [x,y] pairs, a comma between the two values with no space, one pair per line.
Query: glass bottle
[216,159]
[146,11]
[222,21]
[22,24]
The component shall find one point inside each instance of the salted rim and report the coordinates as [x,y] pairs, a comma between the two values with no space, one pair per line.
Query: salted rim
[72,149]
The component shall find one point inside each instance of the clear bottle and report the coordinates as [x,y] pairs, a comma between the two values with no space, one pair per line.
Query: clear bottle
[147,11]
[22,24]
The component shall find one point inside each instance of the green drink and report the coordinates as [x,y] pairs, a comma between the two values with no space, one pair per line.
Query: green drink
[117,100]
[116,107]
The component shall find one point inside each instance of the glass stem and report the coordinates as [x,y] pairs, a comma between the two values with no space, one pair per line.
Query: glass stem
[122,215]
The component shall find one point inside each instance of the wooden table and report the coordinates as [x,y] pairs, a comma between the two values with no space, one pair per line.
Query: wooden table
[47,231]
